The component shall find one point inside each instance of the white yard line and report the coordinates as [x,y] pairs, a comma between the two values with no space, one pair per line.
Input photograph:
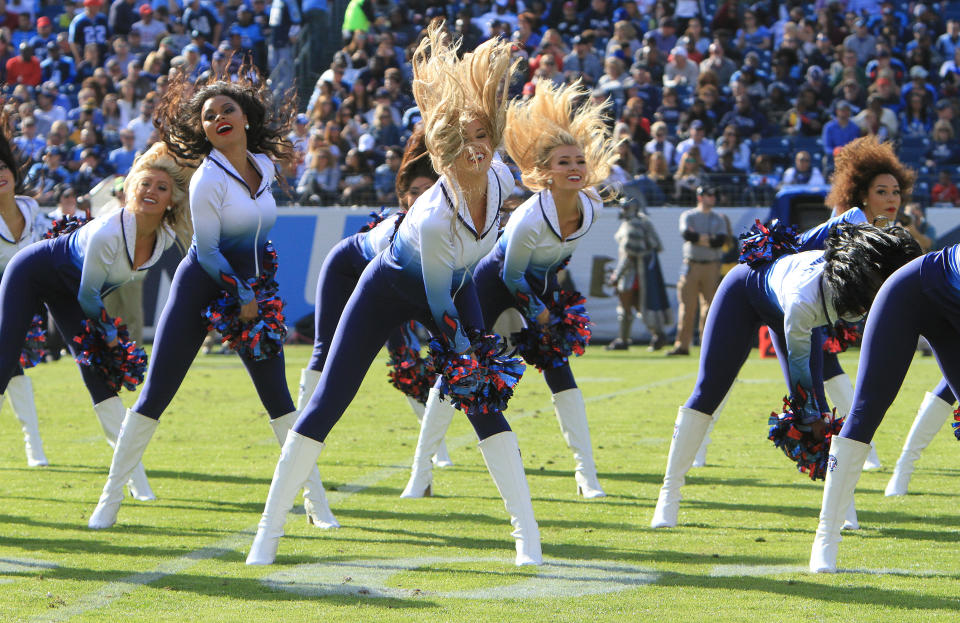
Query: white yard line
[113,591]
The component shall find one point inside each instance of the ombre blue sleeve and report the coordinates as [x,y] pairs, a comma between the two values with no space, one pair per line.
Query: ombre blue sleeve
[437,257]
[815,239]
[522,241]
[101,252]
[799,321]
[206,190]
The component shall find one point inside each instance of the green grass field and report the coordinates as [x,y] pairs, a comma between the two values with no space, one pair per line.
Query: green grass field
[739,553]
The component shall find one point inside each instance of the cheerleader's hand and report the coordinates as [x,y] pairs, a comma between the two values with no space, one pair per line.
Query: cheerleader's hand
[543,317]
[249,311]
[818,428]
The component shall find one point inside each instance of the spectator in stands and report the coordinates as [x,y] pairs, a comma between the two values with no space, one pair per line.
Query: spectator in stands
[861,42]
[615,82]
[664,37]
[918,83]
[753,35]
[942,150]
[803,172]
[804,119]
[142,126]
[916,120]
[885,117]
[945,112]
[950,70]
[547,70]
[688,178]
[739,149]
[43,176]
[704,233]
[694,33]
[24,68]
[91,172]
[718,63]
[680,71]
[121,159]
[840,130]
[122,15]
[28,143]
[198,16]
[696,112]
[659,142]
[669,110]
[57,68]
[849,68]
[356,179]
[730,181]
[385,177]
[657,182]
[319,184]
[850,92]
[705,147]
[384,130]
[47,112]
[886,62]
[947,43]
[750,122]
[873,127]
[44,36]
[89,27]
[763,180]
[824,53]
[624,38]
[150,29]
[569,24]
[945,191]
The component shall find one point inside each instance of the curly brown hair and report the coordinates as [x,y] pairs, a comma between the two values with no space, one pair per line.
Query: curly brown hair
[857,164]
[270,119]
[416,163]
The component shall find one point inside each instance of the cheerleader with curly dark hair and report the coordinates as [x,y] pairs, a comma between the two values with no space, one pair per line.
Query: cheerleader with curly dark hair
[794,296]
[237,128]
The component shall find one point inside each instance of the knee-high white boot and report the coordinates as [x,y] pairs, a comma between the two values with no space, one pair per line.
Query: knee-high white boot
[20,391]
[436,420]
[297,458]
[930,418]
[110,412]
[701,458]
[314,497]
[441,458]
[688,434]
[134,436]
[843,471]
[840,391]
[572,414]
[308,383]
[501,453]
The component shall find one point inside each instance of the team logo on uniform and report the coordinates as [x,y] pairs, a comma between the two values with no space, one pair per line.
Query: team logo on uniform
[831,463]
[676,429]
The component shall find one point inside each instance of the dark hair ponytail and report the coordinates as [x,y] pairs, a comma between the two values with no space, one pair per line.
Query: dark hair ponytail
[859,259]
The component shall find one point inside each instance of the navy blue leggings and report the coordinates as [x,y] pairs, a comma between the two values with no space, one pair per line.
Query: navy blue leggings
[42,273]
[180,333]
[495,299]
[943,391]
[914,301]
[738,309]
[384,298]
[831,365]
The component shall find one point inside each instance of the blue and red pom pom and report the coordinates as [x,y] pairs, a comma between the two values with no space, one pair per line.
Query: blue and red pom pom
[842,336]
[64,226]
[411,373]
[122,365]
[35,348]
[262,337]
[567,333]
[481,381]
[762,244]
[796,439]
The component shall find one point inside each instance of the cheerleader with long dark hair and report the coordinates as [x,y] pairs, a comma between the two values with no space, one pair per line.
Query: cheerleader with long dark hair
[920,299]
[234,130]
[563,148]
[71,274]
[794,296]
[425,275]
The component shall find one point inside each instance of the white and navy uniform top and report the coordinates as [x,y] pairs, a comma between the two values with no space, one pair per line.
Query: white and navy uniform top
[377,239]
[34,227]
[444,246]
[533,248]
[793,282]
[231,220]
[103,250]
[816,238]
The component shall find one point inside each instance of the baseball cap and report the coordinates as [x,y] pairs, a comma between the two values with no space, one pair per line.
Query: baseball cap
[366,143]
[146,9]
[91,3]
[706,189]
[843,104]
[943,103]
[218,55]
[696,124]
[918,72]
[529,88]
[302,119]
[43,21]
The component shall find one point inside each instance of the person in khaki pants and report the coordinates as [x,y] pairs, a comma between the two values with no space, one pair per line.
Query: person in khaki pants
[704,234]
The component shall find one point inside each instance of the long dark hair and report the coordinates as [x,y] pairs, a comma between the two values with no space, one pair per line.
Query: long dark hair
[11,156]
[859,259]
[270,119]
[416,163]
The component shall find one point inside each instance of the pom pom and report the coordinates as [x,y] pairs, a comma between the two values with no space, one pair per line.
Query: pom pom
[567,333]
[34,349]
[761,244]
[956,424]
[122,365]
[64,226]
[376,217]
[796,439]
[410,373]
[262,337]
[480,382]
[842,336]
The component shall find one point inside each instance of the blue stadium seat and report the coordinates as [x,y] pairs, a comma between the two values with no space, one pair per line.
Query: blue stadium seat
[807,143]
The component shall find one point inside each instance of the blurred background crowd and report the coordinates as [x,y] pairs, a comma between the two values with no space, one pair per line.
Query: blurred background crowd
[747,97]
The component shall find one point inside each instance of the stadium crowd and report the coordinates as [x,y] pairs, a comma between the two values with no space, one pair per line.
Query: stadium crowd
[746,97]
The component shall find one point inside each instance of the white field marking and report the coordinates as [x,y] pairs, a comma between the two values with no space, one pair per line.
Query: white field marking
[22,565]
[239,541]
[371,578]
[729,571]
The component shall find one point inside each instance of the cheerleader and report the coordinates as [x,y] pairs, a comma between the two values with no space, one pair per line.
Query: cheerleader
[793,295]
[425,275]
[868,185]
[21,225]
[344,264]
[562,151]
[922,298]
[235,128]
[71,273]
